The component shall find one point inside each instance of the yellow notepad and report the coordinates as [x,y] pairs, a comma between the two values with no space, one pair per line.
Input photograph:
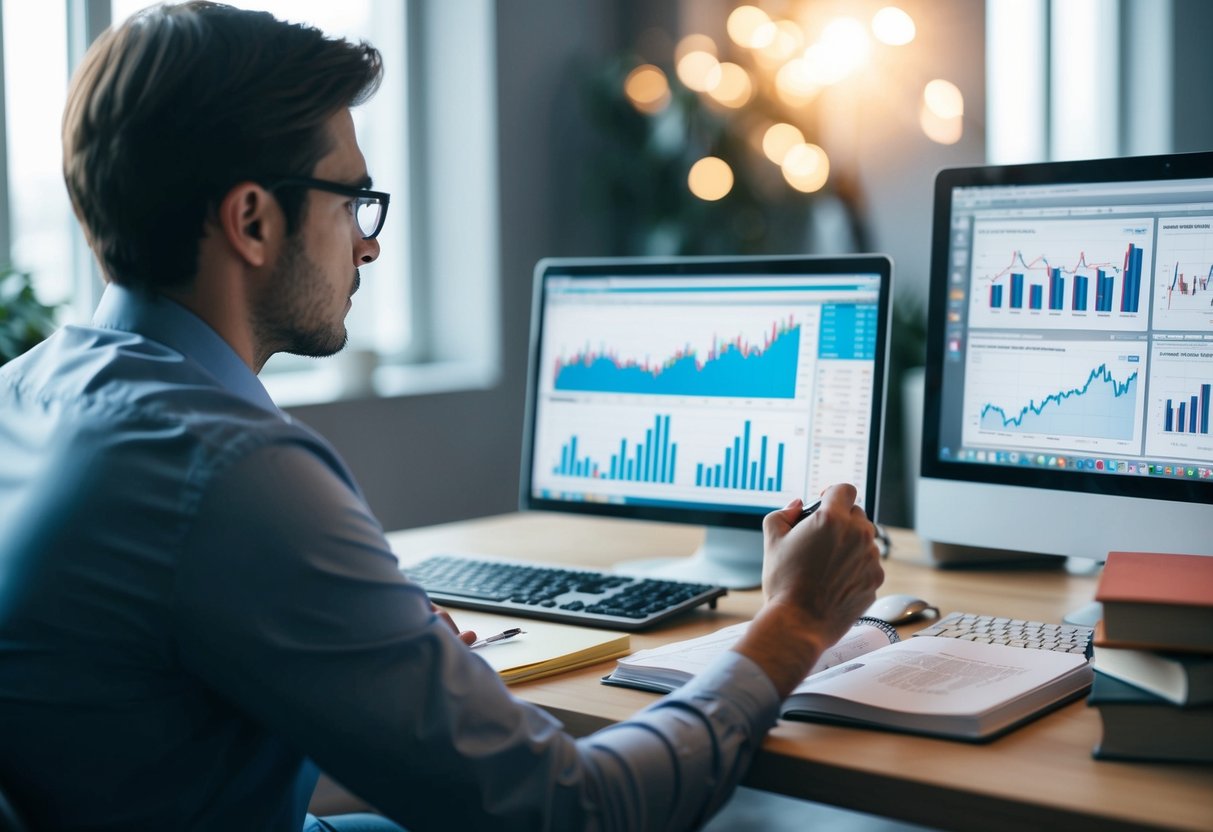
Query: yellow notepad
[543,648]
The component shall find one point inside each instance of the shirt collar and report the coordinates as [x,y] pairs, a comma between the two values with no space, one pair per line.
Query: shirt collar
[168,322]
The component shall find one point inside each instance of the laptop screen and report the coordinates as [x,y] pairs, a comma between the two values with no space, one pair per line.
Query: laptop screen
[701,390]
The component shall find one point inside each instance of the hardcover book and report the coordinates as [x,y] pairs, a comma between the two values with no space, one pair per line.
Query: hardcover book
[1157,601]
[1181,678]
[1138,725]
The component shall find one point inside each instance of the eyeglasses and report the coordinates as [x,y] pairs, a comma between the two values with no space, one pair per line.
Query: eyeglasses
[369,208]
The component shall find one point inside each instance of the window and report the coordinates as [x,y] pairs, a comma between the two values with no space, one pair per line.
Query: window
[439,166]
[40,215]
[1078,79]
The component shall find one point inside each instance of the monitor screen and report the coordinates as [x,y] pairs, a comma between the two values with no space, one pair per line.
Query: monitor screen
[706,391]
[1070,349]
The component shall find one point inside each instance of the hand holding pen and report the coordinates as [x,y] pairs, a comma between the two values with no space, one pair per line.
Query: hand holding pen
[882,537]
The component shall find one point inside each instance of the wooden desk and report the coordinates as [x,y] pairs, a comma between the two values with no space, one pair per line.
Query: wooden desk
[1041,775]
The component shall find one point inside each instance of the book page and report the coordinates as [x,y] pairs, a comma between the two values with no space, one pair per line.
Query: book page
[941,676]
[694,655]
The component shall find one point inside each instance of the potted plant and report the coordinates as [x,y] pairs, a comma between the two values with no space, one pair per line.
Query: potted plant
[24,320]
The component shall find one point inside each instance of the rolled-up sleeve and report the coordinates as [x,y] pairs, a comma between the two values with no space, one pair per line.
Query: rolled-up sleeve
[291,607]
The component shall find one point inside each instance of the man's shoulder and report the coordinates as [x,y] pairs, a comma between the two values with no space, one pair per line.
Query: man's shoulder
[88,382]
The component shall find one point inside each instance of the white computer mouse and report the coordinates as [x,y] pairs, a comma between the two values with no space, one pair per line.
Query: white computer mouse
[900,609]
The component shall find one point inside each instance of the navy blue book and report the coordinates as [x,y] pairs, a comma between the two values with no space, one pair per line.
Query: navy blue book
[1137,725]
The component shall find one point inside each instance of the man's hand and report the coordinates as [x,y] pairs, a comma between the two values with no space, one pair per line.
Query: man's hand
[466,636]
[818,576]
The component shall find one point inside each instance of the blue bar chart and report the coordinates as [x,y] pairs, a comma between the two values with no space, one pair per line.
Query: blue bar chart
[1190,415]
[651,460]
[1105,284]
[751,463]
[1180,418]
[1059,274]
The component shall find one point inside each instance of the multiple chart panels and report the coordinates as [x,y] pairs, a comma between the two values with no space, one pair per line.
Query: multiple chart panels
[1087,335]
[707,392]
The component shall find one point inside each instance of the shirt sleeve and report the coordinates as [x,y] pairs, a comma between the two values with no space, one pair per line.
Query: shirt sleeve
[291,606]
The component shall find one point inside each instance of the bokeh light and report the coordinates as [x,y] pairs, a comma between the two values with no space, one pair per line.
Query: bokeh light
[710,178]
[779,139]
[699,71]
[732,86]
[938,129]
[788,39]
[694,43]
[751,27]
[944,99]
[806,167]
[794,83]
[647,88]
[844,47]
[893,26]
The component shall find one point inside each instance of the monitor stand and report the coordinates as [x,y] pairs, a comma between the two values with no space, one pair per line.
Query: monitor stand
[731,558]
[953,556]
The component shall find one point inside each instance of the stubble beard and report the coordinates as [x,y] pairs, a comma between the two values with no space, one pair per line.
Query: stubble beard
[295,315]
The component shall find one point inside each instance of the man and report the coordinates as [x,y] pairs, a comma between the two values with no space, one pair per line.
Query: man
[197,609]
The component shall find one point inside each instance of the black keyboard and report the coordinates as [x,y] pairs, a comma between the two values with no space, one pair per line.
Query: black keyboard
[557,593]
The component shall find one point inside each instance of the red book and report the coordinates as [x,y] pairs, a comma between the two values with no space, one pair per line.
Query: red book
[1157,601]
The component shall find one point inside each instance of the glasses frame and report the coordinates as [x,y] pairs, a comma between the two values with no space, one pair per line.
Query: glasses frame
[381,198]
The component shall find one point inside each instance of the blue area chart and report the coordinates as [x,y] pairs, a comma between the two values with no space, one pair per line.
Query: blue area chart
[1101,407]
[732,368]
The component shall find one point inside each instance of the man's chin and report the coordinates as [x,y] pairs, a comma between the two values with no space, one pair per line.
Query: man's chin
[319,346]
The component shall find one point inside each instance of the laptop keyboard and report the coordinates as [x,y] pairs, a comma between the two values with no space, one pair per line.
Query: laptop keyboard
[557,593]
[1014,632]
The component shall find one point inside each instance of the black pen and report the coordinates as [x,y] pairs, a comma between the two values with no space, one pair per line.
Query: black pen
[807,510]
[502,636]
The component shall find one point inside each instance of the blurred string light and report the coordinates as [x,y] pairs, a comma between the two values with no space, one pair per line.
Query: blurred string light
[893,26]
[795,70]
[751,27]
[730,85]
[942,113]
[806,167]
[647,88]
[710,178]
[843,49]
[779,139]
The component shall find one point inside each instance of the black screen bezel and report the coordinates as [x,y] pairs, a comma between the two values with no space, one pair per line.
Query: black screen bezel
[1097,171]
[697,267]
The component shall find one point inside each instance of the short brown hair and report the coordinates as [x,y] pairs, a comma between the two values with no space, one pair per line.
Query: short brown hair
[179,104]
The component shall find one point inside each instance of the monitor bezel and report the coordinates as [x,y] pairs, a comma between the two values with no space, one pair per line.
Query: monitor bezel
[649,267]
[1095,171]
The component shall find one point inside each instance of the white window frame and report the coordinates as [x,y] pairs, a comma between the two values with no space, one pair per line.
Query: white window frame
[1049,100]
[451,212]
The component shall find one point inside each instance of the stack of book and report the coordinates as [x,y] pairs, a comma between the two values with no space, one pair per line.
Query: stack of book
[1153,658]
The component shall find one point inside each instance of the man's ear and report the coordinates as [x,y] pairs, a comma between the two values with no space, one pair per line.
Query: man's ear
[251,221]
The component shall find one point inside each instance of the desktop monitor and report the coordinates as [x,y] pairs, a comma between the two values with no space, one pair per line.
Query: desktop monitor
[704,390]
[1070,360]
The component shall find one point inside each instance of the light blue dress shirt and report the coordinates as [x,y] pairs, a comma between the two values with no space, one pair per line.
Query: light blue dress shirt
[196,603]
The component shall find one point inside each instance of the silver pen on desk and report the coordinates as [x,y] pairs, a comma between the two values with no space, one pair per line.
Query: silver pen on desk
[502,636]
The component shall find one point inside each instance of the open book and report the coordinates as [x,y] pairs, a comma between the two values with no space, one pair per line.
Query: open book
[937,686]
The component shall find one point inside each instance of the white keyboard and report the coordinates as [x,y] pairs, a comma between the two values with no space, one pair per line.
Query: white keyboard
[1014,632]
